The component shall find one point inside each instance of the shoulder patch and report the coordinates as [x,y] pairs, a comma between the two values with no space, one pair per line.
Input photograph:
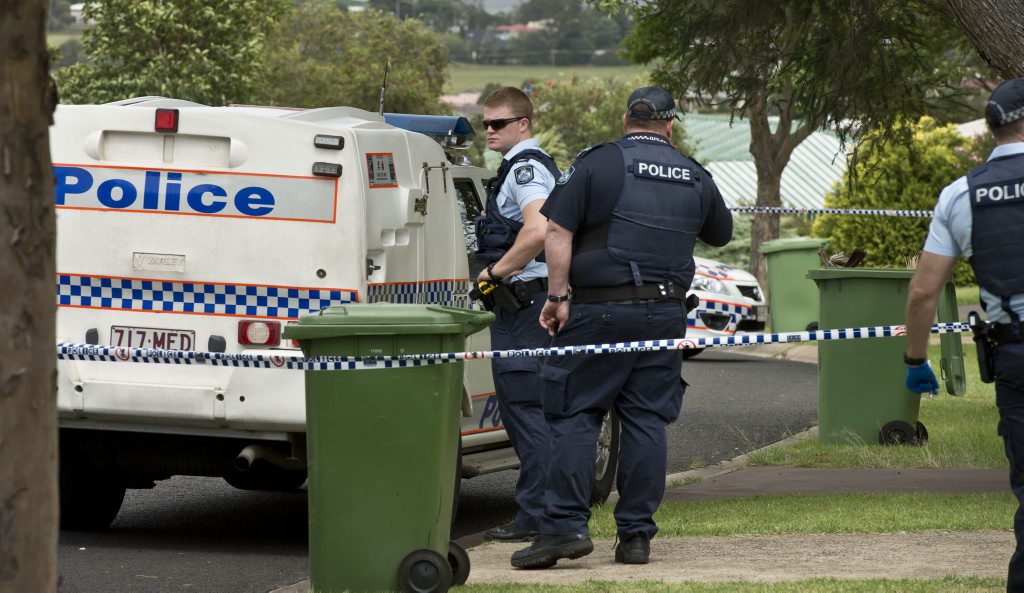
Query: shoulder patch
[565,176]
[524,174]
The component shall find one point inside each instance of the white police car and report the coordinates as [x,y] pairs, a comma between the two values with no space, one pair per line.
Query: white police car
[731,302]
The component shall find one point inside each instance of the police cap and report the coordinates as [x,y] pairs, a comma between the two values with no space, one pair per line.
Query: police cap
[1006,103]
[651,102]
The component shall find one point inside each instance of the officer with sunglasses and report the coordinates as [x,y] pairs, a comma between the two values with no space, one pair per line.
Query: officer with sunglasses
[510,239]
[622,222]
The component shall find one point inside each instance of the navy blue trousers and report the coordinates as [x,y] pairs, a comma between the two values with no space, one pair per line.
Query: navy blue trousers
[646,391]
[517,386]
[1010,401]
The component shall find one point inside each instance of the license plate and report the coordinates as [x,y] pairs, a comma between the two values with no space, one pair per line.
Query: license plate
[761,312]
[151,337]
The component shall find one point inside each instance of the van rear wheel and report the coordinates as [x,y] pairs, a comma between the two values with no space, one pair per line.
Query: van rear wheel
[607,459]
[90,496]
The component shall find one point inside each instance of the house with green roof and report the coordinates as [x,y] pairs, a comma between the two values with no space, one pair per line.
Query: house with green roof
[723,148]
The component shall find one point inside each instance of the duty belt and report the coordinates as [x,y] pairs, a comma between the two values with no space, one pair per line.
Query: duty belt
[628,292]
[1007,333]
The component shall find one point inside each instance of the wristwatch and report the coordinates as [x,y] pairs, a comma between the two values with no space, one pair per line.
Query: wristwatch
[914,362]
[490,272]
[554,298]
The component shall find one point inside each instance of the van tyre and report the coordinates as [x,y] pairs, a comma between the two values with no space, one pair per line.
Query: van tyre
[267,476]
[607,459]
[424,571]
[90,496]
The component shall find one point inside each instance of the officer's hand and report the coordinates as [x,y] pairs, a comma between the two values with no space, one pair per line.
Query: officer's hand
[921,379]
[554,316]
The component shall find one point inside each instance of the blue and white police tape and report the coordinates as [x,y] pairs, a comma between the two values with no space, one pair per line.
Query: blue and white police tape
[807,211]
[288,360]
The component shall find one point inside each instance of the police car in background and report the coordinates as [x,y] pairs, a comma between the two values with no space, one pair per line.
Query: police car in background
[188,227]
[731,303]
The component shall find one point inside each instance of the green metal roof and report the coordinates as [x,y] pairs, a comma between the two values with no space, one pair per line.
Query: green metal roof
[724,149]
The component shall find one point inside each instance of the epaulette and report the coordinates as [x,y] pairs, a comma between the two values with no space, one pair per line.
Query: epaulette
[586,150]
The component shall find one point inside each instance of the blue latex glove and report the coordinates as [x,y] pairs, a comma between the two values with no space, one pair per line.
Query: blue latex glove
[921,379]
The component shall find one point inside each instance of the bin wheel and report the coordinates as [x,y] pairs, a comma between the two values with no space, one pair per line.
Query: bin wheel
[458,559]
[922,434]
[424,571]
[897,432]
[812,326]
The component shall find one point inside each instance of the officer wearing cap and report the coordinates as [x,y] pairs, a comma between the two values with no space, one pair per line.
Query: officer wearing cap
[981,216]
[510,237]
[622,222]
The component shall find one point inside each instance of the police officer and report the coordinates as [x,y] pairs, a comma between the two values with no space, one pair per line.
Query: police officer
[622,222]
[510,237]
[981,216]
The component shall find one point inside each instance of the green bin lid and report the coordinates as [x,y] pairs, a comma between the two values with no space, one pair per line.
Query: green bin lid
[388,318]
[792,244]
[836,273]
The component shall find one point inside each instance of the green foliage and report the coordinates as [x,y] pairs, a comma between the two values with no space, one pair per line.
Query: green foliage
[849,65]
[208,51]
[323,56]
[587,111]
[890,175]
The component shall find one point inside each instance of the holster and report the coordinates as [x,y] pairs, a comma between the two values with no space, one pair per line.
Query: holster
[506,299]
[985,345]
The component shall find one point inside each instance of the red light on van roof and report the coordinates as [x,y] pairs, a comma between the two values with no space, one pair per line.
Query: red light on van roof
[166,120]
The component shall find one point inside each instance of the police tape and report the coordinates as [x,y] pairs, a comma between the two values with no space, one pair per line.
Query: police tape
[809,211]
[91,353]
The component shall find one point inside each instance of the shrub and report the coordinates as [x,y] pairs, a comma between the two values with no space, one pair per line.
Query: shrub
[902,176]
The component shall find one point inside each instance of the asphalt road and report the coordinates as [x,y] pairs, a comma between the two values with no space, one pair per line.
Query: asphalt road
[199,534]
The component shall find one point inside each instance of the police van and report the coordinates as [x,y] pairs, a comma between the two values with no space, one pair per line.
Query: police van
[189,227]
[731,303]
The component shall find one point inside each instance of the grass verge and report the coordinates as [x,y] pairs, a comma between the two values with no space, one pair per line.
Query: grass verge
[825,513]
[962,434]
[967,295]
[946,585]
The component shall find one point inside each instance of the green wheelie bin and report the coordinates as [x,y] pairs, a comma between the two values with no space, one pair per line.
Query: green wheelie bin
[792,297]
[383,446]
[861,396]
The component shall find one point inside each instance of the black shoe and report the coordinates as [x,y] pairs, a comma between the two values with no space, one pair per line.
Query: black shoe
[633,550]
[510,532]
[546,550]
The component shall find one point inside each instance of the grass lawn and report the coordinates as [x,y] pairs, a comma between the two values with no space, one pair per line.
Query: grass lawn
[947,585]
[476,76]
[967,295]
[962,434]
[56,39]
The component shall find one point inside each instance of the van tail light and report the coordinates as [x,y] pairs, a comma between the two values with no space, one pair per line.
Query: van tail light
[259,333]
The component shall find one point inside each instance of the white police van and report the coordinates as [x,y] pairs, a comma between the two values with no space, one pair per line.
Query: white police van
[183,226]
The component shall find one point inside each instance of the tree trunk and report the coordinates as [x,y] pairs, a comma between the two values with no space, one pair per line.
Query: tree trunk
[765,226]
[996,28]
[28,406]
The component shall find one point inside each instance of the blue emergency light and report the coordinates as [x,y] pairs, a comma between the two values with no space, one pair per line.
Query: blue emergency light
[450,131]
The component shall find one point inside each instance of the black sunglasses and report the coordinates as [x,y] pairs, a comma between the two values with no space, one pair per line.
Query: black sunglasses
[498,124]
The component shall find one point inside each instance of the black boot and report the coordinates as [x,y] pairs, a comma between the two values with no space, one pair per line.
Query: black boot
[510,532]
[546,550]
[633,549]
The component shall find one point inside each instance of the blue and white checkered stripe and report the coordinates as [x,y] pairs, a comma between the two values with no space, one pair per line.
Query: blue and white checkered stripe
[431,292]
[83,352]
[205,298]
[807,211]
[725,307]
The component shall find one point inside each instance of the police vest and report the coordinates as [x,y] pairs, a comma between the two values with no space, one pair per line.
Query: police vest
[495,233]
[654,223]
[996,192]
